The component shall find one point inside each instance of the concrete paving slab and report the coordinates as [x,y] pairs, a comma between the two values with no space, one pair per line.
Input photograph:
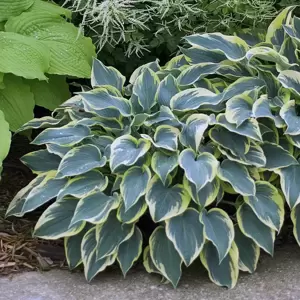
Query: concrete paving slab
[277,278]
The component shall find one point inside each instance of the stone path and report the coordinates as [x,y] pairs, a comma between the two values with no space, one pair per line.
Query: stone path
[275,279]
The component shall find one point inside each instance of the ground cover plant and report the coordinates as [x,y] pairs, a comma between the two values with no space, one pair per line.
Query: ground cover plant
[148,29]
[39,49]
[205,149]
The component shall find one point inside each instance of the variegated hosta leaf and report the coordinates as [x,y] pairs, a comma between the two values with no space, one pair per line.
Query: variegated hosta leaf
[252,227]
[43,122]
[165,137]
[267,204]
[103,76]
[110,235]
[166,201]
[55,221]
[64,136]
[277,157]
[273,86]
[199,169]
[218,228]
[239,108]
[100,100]
[167,88]
[16,205]
[58,150]
[232,46]
[186,233]
[206,195]
[132,214]
[196,55]
[238,176]
[249,128]
[153,65]
[92,266]
[134,184]
[82,185]
[72,245]
[289,178]
[41,161]
[95,208]
[80,160]
[193,131]
[295,216]
[289,115]
[145,88]
[275,34]
[44,192]
[290,79]
[148,263]
[223,273]
[269,55]
[164,256]
[126,150]
[248,251]
[163,164]
[235,143]
[130,250]
[254,157]
[261,109]
[196,72]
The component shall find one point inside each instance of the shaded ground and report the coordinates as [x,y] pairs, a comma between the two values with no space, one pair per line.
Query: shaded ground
[275,279]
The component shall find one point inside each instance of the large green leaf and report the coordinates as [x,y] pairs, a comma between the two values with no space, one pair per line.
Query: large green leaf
[164,256]
[218,228]
[80,160]
[199,169]
[64,136]
[267,204]
[110,235]
[16,101]
[193,131]
[54,223]
[71,52]
[252,227]
[5,137]
[223,273]
[50,94]
[126,150]
[130,250]
[10,8]
[248,251]
[95,208]
[238,176]
[186,233]
[289,178]
[134,184]
[232,46]
[41,5]
[164,201]
[23,56]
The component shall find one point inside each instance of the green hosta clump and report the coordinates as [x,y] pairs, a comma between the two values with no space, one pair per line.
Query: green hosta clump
[39,49]
[207,147]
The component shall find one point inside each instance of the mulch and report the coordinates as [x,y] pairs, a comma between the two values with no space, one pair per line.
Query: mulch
[19,250]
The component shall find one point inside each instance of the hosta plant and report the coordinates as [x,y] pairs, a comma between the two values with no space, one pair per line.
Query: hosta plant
[39,50]
[204,150]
